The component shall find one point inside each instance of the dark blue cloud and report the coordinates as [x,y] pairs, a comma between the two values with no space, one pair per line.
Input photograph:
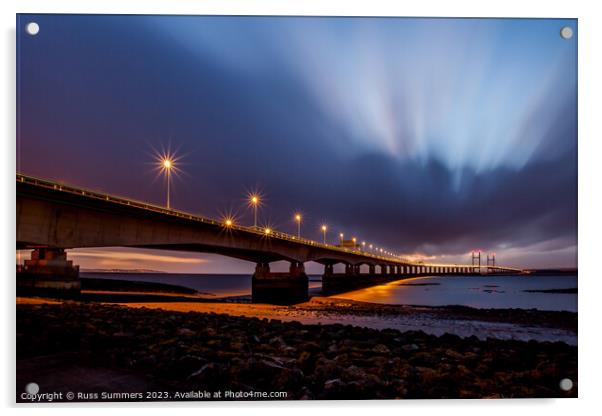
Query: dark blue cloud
[420,135]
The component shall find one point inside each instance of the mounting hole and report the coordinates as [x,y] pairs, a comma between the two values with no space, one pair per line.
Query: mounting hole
[566,384]
[32,388]
[32,28]
[566,32]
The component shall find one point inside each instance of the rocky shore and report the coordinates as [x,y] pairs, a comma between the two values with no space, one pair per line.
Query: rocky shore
[180,352]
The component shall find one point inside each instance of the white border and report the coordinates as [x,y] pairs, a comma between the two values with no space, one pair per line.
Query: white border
[590,205]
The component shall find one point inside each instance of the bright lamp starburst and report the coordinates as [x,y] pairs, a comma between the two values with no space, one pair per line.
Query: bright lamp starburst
[166,164]
[254,200]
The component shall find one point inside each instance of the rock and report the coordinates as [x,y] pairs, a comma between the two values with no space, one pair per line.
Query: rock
[454,354]
[210,376]
[185,351]
[277,342]
[464,373]
[354,373]
[427,375]
[333,386]
[325,369]
[185,332]
[381,349]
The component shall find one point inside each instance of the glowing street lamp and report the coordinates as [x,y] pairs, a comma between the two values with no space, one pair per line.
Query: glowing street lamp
[324,228]
[298,219]
[166,166]
[341,237]
[363,245]
[254,201]
[168,163]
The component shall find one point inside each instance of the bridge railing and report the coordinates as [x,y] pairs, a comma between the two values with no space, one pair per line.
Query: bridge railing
[44,183]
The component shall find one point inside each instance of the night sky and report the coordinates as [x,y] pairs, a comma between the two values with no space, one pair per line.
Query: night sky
[428,137]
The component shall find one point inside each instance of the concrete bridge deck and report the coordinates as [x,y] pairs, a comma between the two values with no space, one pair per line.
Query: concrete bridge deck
[52,217]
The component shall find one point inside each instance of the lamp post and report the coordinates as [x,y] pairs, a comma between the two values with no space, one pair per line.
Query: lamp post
[324,228]
[167,164]
[298,219]
[341,237]
[254,201]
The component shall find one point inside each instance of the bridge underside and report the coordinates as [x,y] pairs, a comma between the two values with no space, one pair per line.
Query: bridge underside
[49,271]
[49,221]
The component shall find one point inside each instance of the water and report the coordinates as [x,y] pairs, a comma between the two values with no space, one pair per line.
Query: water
[219,285]
[478,292]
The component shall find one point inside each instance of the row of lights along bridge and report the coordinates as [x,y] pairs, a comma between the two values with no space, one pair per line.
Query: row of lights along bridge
[168,163]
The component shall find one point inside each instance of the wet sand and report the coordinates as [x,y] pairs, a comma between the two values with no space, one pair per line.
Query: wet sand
[514,324]
[461,321]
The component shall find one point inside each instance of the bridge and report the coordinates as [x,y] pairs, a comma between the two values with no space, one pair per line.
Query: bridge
[52,217]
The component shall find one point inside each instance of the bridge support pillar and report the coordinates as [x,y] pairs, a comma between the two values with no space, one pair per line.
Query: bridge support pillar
[48,272]
[280,288]
[349,269]
[371,269]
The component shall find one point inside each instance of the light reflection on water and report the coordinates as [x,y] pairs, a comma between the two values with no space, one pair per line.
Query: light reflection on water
[478,292]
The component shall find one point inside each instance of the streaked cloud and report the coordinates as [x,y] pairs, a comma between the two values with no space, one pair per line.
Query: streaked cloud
[424,136]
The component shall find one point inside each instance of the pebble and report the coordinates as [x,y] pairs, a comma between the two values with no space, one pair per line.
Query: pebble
[190,351]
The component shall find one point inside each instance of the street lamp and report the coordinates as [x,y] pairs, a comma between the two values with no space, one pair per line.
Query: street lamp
[324,228]
[341,237]
[166,166]
[298,219]
[254,201]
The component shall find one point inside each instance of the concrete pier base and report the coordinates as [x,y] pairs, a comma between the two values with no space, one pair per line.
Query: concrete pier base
[48,272]
[280,288]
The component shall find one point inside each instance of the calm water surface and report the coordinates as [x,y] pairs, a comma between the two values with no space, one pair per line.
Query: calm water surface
[478,292]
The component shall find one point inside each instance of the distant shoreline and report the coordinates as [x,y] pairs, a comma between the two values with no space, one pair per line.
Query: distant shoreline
[533,272]
[123,271]
[119,285]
